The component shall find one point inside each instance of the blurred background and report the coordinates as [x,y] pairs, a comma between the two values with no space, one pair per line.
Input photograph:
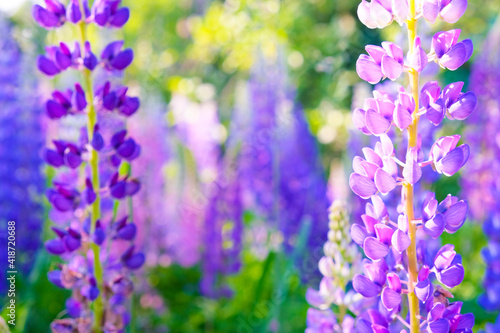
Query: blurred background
[245,124]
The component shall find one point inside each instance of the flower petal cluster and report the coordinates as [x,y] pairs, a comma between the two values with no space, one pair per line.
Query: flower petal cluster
[381,62]
[53,15]
[449,215]
[65,103]
[387,61]
[104,13]
[381,13]
[117,99]
[60,58]
[450,101]
[444,319]
[446,157]
[448,52]
[377,172]
[447,10]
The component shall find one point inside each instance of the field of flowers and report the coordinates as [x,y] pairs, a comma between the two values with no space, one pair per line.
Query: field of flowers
[318,166]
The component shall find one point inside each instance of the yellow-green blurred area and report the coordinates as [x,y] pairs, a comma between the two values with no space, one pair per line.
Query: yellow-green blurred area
[203,49]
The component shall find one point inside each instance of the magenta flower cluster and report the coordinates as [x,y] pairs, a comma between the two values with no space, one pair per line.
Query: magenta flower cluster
[399,262]
[98,250]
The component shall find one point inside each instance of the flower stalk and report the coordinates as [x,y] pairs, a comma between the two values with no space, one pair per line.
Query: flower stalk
[412,143]
[94,167]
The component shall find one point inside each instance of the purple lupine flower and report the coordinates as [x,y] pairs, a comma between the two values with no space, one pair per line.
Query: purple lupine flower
[321,321]
[376,115]
[448,52]
[418,58]
[117,99]
[73,11]
[386,61]
[399,261]
[63,104]
[448,11]
[481,185]
[114,58]
[53,15]
[381,13]
[291,181]
[60,58]
[450,102]
[65,153]
[446,157]
[224,224]
[106,13]
[340,263]
[377,172]
[257,126]
[102,151]
[151,206]
[196,126]
[302,186]
[21,140]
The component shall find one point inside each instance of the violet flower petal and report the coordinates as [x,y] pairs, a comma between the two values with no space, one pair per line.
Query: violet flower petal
[453,10]
[390,298]
[365,286]
[423,289]
[376,123]
[435,226]
[374,249]
[384,182]
[439,326]
[400,240]
[455,216]
[362,186]
[368,70]
[464,106]
[391,68]
[451,277]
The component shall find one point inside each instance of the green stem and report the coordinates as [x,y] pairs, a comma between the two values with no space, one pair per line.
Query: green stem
[94,166]
[116,205]
[131,216]
[342,313]
[412,143]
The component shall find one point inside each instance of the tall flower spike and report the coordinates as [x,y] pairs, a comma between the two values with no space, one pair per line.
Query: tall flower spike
[340,263]
[301,186]
[21,140]
[394,259]
[99,289]
[480,186]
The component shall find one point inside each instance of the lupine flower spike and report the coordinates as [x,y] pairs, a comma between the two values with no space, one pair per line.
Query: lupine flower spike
[402,273]
[482,187]
[340,263]
[98,248]
[20,142]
